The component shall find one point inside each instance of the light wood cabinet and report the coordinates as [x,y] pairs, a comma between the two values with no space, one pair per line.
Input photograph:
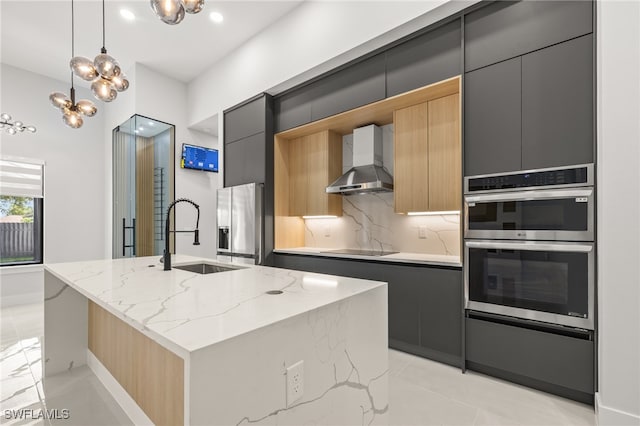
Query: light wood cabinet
[314,162]
[428,156]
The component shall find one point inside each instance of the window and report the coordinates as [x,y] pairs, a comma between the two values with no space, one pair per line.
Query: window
[21,208]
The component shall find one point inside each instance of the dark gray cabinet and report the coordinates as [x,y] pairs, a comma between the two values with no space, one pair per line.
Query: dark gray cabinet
[440,304]
[557,105]
[429,58]
[492,118]
[245,120]
[506,29]
[349,88]
[555,362]
[531,112]
[245,160]
[248,142]
[292,109]
[425,302]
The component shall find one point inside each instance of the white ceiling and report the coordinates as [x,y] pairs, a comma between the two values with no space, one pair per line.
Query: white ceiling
[36,35]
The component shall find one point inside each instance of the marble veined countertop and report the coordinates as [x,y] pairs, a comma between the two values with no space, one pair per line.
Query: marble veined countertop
[420,258]
[186,311]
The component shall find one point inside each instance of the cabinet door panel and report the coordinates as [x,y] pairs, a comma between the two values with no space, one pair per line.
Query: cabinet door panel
[293,109]
[352,87]
[403,311]
[244,161]
[492,119]
[411,180]
[557,105]
[506,29]
[317,162]
[244,121]
[441,311]
[427,59]
[444,155]
[298,177]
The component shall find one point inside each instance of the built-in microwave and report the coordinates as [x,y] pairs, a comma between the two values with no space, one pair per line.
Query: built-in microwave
[550,214]
[551,282]
[550,204]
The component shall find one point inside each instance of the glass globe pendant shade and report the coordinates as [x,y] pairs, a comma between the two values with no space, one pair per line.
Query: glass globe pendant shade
[11,131]
[31,129]
[103,90]
[169,11]
[83,68]
[120,82]
[86,108]
[72,118]
[106,65]
[193,6]
[5,117]
[59,100]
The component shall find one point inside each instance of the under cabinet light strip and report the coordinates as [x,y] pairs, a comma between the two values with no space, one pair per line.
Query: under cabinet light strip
[320,217]
[433,213]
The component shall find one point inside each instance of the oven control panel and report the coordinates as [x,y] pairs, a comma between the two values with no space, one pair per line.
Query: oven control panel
[573,176]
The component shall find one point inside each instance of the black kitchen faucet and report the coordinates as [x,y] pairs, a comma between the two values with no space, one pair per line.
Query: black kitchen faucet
[166,258]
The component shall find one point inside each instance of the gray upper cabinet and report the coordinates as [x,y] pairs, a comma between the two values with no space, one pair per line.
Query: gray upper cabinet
[427,59]
[352,87]
[245,160]
[245,120]
[492,119]
[292,109]
[507,29]
[557,105]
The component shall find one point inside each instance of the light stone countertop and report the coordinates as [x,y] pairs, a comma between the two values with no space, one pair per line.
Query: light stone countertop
[186,311]
[419,258]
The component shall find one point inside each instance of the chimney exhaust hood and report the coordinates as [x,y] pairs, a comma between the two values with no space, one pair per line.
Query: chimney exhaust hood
[367,174]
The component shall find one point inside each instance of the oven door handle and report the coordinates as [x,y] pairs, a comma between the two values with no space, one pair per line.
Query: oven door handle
[548,194]
[531,246]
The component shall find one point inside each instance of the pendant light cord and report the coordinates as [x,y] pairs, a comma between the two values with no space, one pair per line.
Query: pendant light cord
[72,49]
[103,32]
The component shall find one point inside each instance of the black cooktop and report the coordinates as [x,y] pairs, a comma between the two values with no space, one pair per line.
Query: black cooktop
[361,252]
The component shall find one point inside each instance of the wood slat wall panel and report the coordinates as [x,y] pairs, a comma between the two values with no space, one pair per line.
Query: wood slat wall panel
[152,375]
[144,197]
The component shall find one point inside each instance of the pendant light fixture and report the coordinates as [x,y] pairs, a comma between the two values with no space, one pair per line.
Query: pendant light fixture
[15,126]
[172,11]
[72,112]
[104,71]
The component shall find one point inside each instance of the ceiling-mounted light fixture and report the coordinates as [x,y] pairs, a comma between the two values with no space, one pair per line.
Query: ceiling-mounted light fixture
[104,72]
[14,127]
[72,111]
[172,11]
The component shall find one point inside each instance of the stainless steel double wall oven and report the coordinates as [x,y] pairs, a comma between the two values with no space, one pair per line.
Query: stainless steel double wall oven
[529,245]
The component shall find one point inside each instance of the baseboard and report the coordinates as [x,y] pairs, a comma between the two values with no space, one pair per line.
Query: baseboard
[607,416]
[22,299]
[129,406]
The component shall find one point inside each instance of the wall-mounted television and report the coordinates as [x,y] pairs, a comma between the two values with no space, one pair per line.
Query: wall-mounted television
[199,158]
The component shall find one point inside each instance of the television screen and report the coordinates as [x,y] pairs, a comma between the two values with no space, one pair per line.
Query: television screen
[199,158]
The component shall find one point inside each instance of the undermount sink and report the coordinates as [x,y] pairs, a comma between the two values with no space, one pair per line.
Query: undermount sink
[205,268]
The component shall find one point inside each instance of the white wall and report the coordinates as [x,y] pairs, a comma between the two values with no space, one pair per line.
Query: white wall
[74,173]
[315,37]
[618,401]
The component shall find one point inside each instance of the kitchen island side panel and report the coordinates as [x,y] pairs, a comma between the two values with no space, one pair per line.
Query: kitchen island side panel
[344,349]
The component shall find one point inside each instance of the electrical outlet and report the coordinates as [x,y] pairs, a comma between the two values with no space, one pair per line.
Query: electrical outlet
[327,232]
[422,232]
[295,382]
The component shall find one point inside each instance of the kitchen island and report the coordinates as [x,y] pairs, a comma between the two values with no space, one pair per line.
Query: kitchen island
[179,347]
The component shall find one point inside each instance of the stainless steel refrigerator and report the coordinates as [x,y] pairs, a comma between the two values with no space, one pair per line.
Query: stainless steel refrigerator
[240,223]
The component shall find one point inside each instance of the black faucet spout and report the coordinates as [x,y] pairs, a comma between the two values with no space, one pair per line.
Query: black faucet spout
[167,251]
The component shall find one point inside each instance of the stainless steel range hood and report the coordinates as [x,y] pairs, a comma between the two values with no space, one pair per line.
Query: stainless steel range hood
[367,174]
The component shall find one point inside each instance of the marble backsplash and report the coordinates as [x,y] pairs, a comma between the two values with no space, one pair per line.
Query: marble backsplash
[369,222]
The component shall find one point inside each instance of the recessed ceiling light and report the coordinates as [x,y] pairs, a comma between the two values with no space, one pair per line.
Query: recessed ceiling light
[127,14]
[141,128]
[216,17]
[137,131]
[151,123]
